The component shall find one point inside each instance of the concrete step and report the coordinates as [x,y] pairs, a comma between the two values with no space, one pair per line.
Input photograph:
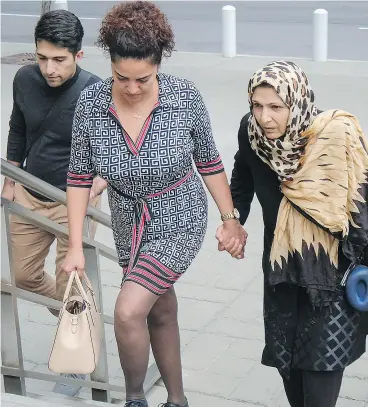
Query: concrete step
[13,400]
[79,401]
[50,399]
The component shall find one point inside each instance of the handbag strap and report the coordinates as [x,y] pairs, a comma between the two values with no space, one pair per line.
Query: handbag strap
[69,286]
[65,98]
[88,283]
[75,277]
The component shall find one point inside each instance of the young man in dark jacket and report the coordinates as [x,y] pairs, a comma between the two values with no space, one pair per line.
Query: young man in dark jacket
[44,100]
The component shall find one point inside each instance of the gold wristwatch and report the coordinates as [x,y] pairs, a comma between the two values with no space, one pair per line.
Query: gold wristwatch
[231,215]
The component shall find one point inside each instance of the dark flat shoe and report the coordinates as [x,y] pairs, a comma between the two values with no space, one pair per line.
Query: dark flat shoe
[136,403]
[169,404]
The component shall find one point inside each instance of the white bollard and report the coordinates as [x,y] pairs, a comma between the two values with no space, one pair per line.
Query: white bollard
[320,35]
[59,5]
[229,31]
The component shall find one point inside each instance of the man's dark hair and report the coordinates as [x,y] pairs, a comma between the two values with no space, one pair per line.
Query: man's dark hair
[62,29]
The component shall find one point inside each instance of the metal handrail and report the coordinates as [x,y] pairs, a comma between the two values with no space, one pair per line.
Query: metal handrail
[47,190]
[57,229]
[12,367]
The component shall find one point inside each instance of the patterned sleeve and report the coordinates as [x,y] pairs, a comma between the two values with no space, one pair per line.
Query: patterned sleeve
[80,166]
[206,156]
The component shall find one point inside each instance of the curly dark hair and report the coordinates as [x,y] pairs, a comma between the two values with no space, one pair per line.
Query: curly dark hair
[138,30]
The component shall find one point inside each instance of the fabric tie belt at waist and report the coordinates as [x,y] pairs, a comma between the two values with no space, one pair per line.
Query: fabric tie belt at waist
[143,214]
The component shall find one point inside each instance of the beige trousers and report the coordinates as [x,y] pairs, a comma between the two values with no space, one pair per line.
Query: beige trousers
[31,245]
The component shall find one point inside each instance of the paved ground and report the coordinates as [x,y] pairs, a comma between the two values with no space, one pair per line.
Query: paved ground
[220,298]
[281,28]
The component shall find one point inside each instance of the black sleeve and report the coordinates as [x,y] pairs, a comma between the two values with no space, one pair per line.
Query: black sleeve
[17,130]
[93,79]
[365,256]
[241,184]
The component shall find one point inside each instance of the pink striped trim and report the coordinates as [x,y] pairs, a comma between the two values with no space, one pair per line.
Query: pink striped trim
[140,231]
[152,277]
[143,132]
[206,164]
[210,170]
[133,248]
[113,111]
[172,186]
[145,283]
[72,175]
[124,269]
[136,238]
[130,142]
[75,182]
[152,269]
[126,136]
[146,212]
[145,128]
[160,265]
[172,277]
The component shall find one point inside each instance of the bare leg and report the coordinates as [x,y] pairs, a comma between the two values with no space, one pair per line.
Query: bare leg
[131,310]
[165,341]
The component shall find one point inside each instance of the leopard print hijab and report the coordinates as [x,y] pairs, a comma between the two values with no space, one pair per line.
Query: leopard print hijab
[290,82]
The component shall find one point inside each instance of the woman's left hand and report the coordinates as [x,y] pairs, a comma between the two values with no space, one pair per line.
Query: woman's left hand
[98,186]
[232,237]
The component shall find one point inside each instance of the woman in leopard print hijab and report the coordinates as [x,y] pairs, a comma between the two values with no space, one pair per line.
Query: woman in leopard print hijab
[322,162]
[309,170]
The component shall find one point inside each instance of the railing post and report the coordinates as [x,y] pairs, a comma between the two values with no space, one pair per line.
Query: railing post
[229,31]
[45,7]
[320,35]
[101,373]
[87,227]
[59,5]
[11,345]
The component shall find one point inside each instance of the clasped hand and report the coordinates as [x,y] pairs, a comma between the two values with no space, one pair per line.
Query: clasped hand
[232,237]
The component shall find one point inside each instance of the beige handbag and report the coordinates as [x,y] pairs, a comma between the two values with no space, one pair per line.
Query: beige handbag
[76,347]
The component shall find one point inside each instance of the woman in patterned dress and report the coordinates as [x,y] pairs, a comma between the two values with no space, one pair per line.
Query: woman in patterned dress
[140,130]
[309,170]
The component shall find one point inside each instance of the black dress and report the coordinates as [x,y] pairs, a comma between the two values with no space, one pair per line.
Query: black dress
[297,335]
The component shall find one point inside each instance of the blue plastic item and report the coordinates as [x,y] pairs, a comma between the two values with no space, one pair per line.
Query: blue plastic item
[357,288]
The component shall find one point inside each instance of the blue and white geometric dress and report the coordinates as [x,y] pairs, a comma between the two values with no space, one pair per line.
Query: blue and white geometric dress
[157,201]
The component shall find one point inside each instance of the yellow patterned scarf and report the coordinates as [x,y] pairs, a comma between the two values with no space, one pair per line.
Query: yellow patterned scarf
[328,187]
